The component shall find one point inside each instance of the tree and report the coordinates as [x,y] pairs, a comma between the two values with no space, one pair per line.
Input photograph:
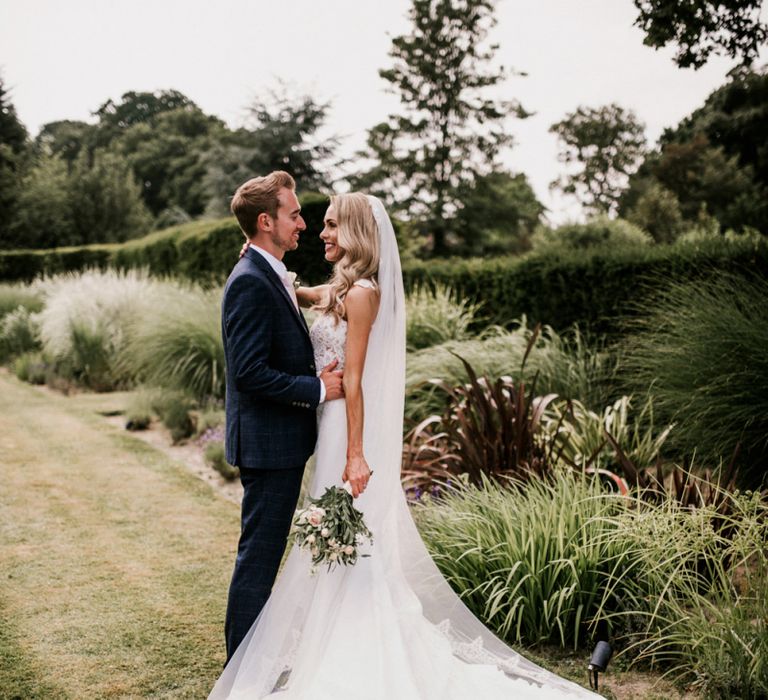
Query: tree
[43,226]
[734,117]
[93,201]
[114,118]
[167,155]
[702,27]
[13,147]
[606,143]
[281,134]
[65,138]
[499,213]
[702,177]
[449,131]
[657,210]
[715,159]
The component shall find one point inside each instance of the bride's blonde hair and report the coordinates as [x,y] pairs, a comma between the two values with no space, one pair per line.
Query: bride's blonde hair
[358,239]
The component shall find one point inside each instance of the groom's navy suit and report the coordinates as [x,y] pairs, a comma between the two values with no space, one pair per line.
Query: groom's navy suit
[272,394]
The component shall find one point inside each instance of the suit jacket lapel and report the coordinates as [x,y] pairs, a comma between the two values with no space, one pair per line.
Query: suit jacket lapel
[272,276]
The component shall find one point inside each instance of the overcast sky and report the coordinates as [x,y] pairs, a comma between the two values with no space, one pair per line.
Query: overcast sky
[61,59]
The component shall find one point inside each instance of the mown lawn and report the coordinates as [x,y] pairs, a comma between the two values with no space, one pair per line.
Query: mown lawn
[115,561]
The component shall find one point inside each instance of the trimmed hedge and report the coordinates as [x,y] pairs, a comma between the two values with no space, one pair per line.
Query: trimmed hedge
[599,289]
[204,251]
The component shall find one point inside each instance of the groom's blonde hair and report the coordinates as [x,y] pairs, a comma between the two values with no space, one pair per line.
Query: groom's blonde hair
[259,196]
[358,239]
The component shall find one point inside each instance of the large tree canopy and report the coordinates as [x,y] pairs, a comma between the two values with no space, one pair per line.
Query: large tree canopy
[700,28]
[715,160]
[281,134]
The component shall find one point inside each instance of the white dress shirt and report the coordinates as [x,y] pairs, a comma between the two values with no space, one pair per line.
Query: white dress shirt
[282,272]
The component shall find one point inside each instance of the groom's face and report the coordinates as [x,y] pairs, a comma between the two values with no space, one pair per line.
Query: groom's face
[285,229]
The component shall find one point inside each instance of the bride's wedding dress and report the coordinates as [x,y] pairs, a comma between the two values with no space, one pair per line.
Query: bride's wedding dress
[389,627]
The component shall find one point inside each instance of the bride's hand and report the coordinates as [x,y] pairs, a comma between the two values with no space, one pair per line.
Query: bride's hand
[243,249]
[357,473]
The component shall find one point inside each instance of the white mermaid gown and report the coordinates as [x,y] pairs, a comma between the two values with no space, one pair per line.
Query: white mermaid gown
[387,628]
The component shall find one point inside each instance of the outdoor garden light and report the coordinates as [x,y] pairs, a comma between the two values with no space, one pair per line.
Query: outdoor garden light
[599,661]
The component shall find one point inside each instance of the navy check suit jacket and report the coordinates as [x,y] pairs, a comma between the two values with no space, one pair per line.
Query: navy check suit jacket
[272,387]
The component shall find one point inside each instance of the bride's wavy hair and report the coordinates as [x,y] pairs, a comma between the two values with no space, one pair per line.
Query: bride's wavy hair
[358,239]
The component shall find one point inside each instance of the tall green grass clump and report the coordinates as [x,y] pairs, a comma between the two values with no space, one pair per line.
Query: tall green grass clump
[178,345]
[701,354]
[695,586]
[435,314]
[566,365]
[527,561]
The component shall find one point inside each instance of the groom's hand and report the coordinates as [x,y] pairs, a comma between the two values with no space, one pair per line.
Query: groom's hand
[332,380]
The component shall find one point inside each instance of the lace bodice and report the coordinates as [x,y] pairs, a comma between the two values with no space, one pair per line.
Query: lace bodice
[329,338]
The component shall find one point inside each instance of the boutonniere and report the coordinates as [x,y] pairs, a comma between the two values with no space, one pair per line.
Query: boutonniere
[294,279]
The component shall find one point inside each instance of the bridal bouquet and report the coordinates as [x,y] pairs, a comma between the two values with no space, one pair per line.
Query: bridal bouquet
[331,528]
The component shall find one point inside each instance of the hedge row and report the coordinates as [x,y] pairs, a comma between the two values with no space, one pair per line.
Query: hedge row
[204,251]
[598,289]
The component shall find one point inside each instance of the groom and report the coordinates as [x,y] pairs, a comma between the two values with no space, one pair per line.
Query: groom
[272,390]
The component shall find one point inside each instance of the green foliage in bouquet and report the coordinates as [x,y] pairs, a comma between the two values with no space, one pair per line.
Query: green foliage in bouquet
[331,529]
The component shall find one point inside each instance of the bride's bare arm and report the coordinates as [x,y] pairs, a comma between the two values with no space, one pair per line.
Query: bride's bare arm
[309,296]
[361,305]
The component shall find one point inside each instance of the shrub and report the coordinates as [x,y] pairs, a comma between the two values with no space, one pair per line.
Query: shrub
[488,430]
[214,457]
[579,434]
[175,410]
[566,365]
[527,561]
[31,367]
[697,580]
[141,407]
[435,315]
[19,333]
[701,356]
[600,231]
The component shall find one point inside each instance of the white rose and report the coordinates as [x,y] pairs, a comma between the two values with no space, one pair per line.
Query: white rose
[325,532]
[333,556]
[349,550]
[311,539]
[332,542]
[315,551]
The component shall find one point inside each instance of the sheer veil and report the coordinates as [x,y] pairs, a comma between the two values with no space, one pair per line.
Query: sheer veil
[377,607]
[385,372]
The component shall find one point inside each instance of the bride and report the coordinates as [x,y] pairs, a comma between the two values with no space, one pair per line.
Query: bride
[389,627]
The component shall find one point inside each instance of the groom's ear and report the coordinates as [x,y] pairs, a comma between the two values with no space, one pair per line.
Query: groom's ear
[263,222]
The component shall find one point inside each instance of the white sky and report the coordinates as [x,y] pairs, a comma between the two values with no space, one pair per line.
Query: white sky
[62,59]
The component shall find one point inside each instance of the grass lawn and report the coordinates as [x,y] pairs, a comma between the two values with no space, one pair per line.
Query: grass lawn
[115,560]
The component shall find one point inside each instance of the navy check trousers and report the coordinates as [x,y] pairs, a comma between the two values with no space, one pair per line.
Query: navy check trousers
[269,501]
